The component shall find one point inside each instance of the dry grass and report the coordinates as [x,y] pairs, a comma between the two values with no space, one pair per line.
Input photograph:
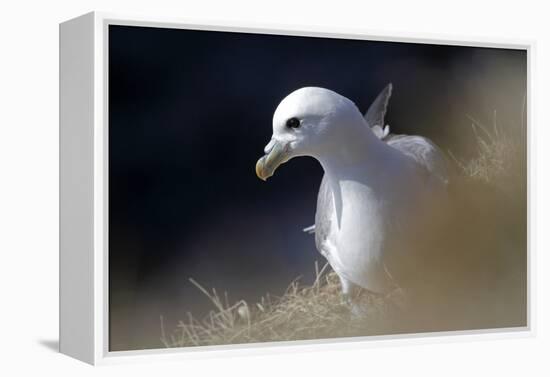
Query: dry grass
[499,156]
[302,312]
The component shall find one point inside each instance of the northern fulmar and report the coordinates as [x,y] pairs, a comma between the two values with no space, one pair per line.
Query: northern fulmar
[376,189]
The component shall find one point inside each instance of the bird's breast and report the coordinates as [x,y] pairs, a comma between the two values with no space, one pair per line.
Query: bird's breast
[361,220]
[359,234]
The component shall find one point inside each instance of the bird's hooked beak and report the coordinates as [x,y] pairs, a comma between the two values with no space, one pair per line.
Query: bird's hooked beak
[276,153]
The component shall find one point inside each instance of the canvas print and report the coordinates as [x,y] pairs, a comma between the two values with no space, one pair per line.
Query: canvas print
[267,188]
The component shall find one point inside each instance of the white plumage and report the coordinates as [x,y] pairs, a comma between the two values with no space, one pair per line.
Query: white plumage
[376,189]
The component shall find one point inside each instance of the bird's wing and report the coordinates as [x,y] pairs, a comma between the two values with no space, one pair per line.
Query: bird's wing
[424,152]
[325,207]
[420,149]
[377,111]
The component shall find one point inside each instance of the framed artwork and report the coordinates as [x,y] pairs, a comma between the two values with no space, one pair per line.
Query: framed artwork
[229,188]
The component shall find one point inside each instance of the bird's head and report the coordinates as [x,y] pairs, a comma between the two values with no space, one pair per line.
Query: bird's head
[308,122]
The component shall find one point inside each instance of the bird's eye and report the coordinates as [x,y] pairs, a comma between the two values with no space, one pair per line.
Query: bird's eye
[293,123]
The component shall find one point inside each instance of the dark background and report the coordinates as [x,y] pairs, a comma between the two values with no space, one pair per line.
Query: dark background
[189,115]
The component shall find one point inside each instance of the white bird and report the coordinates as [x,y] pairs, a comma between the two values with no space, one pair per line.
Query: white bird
[376,191]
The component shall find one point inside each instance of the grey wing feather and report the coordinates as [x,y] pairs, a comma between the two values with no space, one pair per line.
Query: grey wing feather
[424,152]
[377,111]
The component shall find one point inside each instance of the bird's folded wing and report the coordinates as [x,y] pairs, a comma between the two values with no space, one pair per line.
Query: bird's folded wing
[424,152]
[323,215]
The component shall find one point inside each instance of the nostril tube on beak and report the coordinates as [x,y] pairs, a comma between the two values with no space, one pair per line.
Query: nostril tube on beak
[269,146]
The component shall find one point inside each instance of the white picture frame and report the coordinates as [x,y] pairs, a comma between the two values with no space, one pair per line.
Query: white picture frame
[84,200]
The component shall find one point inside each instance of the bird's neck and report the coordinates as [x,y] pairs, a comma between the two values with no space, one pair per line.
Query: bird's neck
[363,151]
